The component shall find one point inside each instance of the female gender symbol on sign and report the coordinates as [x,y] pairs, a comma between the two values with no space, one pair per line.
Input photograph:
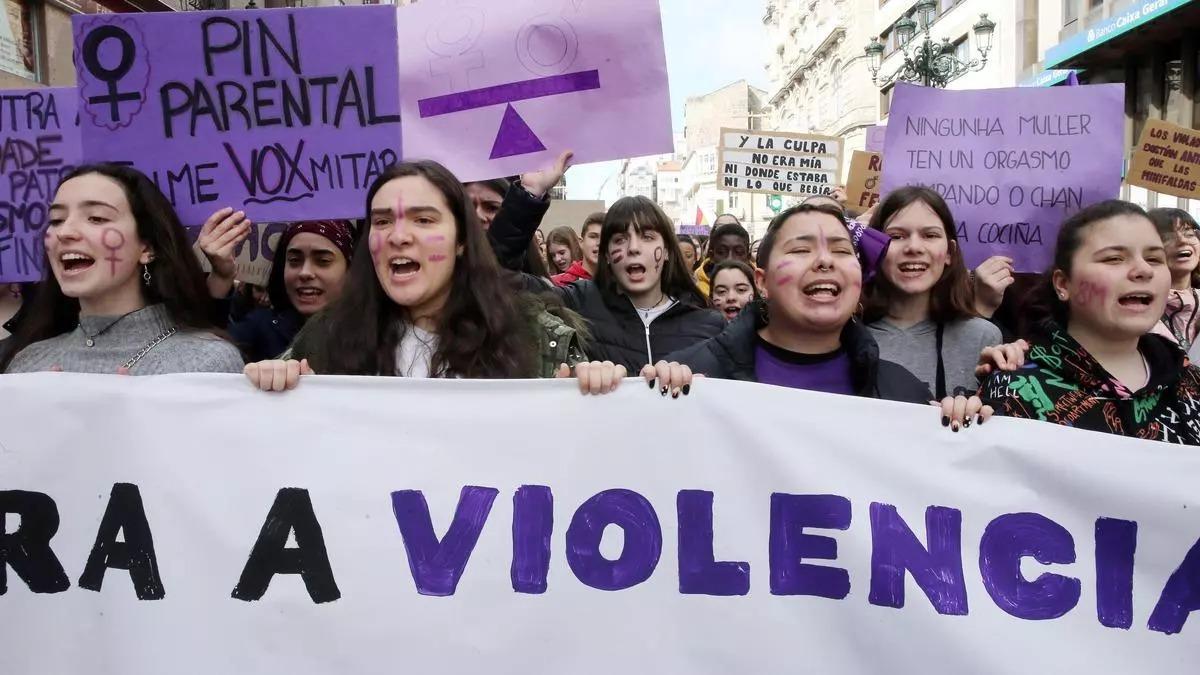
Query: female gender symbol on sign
[117,93]
[547,46]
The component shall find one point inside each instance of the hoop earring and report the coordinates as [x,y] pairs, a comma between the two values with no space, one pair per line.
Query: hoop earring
[146,274]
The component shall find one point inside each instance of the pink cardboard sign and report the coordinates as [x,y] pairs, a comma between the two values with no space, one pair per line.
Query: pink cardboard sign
[494,89]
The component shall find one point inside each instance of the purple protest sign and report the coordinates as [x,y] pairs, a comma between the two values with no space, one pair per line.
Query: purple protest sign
[495,89]
[39,144]
[876,136]
[1012,164]
[287,114]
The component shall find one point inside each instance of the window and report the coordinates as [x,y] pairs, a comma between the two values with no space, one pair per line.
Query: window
[1070,12]
[18,53]
[962,50]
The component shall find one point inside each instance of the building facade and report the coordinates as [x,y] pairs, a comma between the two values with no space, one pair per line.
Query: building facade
[739,106]
[820,83]
[1151,46]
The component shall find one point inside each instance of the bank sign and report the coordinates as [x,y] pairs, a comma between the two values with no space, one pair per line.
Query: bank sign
[1137,15]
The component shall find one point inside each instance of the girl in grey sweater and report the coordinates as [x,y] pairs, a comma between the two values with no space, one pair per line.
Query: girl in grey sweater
[126,294]
[920,307]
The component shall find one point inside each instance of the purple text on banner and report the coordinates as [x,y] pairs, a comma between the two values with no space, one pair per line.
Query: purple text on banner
[1012,164]
[267,111]
[496,89]
[39,144]
[875,137]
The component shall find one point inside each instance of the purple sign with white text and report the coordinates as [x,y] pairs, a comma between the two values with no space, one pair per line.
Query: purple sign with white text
[1012,164]
[495,89]
[286,114]
[39,144]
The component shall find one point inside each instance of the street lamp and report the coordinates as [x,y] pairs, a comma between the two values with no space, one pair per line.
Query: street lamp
[929,63]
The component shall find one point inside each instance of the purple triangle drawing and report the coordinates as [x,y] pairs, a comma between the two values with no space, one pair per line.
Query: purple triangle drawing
[515,137]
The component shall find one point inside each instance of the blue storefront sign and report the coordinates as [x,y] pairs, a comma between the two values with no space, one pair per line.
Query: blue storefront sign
[1103,31]
[1046,78]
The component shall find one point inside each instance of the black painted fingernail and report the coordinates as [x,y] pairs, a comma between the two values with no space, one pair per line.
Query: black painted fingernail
[980,418]
[966,422]
[954,428]
[664,391]
[651,383]
[687,389]
[945,421]
[675,393]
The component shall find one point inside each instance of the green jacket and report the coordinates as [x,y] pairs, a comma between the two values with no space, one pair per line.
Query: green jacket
[560,342]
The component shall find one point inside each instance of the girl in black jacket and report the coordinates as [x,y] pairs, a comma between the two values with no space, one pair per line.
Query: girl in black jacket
[643,303]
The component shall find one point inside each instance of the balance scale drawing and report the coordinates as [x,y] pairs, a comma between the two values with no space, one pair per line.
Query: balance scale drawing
[514,137]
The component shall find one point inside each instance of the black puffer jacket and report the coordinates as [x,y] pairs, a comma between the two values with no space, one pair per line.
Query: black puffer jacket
[618,334]
[730,356]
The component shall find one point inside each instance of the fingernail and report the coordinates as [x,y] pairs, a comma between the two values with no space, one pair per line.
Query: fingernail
[687,389]
[966,422]
[664,391]
[981,420]
[954,427]
[945,421]
[651,383]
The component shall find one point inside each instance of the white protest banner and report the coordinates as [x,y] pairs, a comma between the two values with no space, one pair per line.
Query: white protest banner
[378,525]
[778,162]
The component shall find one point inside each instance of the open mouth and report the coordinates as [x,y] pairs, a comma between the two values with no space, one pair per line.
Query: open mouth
[914,268]
[636,271]
[1185,255]
[404,268]
[76,262]
[823,289]
[1135,300]
[731,311]
[309,293]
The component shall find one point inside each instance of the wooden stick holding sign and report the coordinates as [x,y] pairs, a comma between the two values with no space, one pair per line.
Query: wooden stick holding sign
[778,162]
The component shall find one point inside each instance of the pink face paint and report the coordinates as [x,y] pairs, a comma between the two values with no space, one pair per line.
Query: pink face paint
[785,280]
[435,238]
[783,265]
[1091,293]
[113,240]
[437,257]
[376,244]
[658,258]
[615,257]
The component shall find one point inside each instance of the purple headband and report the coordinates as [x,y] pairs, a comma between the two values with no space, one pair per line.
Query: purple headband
[338,232]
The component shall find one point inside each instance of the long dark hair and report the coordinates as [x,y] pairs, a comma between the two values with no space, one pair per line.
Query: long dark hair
[484,330]
[1168,222]
[1043,301]
[563,236]
[177,281]
[644,214]
[276,288]
[952,298]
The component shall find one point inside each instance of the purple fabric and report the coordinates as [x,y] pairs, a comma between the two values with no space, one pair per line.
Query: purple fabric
[829,373]
[872,247]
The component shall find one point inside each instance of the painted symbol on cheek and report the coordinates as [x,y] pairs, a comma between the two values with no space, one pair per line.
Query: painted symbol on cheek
[437,257]
[616,257]
[785,280]
[1091,293]
[658,258]
[783,265]
[435,238]
[113,240]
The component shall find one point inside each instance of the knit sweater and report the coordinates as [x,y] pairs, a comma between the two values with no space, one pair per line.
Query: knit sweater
[186,351]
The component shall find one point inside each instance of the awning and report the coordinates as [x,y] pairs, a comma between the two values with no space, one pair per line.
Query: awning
[1046,78]
[1106,41]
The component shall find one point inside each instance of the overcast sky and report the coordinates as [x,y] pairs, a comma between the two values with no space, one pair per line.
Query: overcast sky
[710,43]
